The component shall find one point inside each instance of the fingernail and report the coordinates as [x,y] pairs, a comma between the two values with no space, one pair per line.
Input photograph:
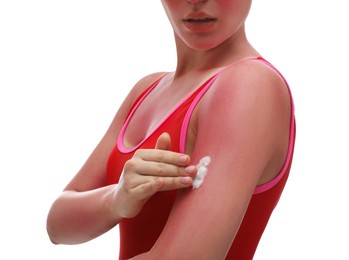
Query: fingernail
[185,180]
[190,169]
[183,158]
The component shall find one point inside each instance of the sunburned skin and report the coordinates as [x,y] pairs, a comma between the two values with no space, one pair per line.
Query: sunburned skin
[202,171]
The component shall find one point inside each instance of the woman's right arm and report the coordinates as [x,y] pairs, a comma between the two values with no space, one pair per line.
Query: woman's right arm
[88,208]
[81,212]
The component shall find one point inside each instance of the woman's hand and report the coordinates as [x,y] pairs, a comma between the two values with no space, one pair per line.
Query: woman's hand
[150,171]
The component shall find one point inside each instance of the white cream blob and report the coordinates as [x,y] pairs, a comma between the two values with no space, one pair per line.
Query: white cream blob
[202,171]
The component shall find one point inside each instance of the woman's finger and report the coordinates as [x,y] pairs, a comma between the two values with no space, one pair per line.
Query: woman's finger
[163,156]
[163,142]
[151,171]
[159,169]
[148,189]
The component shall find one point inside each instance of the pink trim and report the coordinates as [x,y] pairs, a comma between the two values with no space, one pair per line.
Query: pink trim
[120,142]
[266,186]
[183,133]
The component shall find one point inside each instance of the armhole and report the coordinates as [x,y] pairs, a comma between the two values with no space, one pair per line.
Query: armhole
[268,185]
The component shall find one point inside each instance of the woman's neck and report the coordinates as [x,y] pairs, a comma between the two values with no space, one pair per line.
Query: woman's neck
[191,60]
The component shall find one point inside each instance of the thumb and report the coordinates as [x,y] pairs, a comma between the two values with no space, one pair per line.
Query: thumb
[163,142]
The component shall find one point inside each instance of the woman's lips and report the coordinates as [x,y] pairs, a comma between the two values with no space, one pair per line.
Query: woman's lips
[199,22]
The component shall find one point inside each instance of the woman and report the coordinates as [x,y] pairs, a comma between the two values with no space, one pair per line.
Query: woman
[223,101]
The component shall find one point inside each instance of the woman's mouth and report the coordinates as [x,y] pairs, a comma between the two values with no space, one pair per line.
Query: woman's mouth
[199,20]
[199,23]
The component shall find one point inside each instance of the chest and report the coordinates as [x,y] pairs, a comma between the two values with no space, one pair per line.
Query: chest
[163,105]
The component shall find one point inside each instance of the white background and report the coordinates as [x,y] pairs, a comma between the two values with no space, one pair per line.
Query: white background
[65,67]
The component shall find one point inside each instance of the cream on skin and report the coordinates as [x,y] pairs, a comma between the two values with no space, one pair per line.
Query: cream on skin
[202,171]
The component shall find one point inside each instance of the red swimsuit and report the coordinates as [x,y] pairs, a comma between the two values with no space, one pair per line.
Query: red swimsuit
[138,235]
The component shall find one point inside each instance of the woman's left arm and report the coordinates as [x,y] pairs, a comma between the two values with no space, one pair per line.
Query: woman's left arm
[242,124]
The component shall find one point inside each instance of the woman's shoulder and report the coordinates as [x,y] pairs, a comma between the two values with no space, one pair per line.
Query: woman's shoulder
[144,83]
[255,71]
[248,89]
[249,107]
[251,78]
[135,92]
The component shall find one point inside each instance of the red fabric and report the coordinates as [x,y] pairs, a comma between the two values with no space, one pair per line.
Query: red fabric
[137,235]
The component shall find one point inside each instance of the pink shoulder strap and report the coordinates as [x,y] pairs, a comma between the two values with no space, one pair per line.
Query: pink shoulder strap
[183,134]
[292,135]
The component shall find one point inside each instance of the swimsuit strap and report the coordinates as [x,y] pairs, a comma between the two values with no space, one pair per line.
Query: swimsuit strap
[187,117]
[183,133]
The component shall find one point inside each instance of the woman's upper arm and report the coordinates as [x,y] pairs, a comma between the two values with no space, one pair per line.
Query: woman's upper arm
[239,122]
[92,174]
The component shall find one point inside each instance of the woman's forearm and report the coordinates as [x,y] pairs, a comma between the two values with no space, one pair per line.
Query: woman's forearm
[77,217]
